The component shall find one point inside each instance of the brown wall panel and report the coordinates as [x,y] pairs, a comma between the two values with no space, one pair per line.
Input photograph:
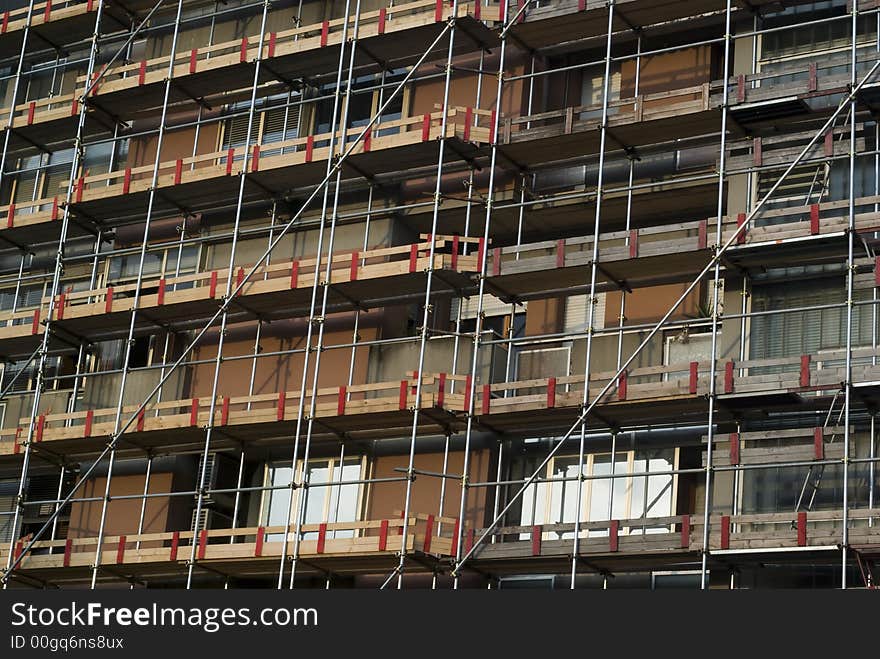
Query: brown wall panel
[387,499]
[122,514]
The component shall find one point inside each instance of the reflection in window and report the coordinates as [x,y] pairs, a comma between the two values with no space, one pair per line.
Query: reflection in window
[644,496]
[333,503]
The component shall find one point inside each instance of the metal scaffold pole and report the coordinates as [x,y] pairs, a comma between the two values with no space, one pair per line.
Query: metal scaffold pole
[58,269]
[592,303]
[427,317]
[478,329]
[221,335]
[319,319]
[716,301]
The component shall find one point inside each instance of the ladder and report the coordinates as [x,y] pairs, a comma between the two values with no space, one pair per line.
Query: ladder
[813,479]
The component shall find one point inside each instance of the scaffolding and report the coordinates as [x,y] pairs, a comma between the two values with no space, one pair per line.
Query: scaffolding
[437,216]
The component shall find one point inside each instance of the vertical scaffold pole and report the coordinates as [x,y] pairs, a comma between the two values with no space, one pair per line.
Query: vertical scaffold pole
[716,284]
[426,314]
[487,233]
[56,284]
[230,279]
[591,319]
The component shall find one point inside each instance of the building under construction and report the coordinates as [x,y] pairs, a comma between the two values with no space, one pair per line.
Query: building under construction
[439,294]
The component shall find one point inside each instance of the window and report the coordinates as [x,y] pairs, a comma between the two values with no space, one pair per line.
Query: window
[169,262]
[369,92]
[276,119]
[8,495]
[810,331]
[334,503]
[633,497]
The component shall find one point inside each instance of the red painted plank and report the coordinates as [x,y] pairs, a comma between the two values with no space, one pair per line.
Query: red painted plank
[74,107]
[492,123]
[140,421]
[725,531]
[194,412]
[142,73]
[87,427]
[62,304]
[272,39]
[560,253]
[353,270]
[41,424]
[613,535]
[401,399]
[175,543]
[728,377]
[160,294]
[244,48]
[193,57]
[325,31]
[203,543]
[382,17]
[322,537]
[212,289]
[126,181]
[740,88]
[32,108]
[828,144]
[757,152]
[413,257]
[68,549]
[441,389]
[818,444]
[468,393]
[456,245]
[468,121]
[426,128]
[230,158]
[551,392]
[383,535]
[536,540]
[702,234]
[469,540]
[224,411]
[496,261]
[487,398]
[685,531]
[438,11]
[294,274]
[805,371]
[279,410]
[120,550]
[621,386]
[481,254]
[54,209]
[741,236]
[255,158]
[814,219]
[258,545]
[634,243]
[35,325]
[368,139]
[694,376]
[341,396]
[734,448]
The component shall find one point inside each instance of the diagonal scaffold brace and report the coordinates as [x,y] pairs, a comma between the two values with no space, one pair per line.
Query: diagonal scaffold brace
[336,166]
[719,252]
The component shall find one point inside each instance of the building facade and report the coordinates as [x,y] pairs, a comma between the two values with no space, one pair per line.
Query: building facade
[432,294]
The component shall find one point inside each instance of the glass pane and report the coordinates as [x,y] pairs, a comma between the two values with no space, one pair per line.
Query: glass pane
[278,505]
